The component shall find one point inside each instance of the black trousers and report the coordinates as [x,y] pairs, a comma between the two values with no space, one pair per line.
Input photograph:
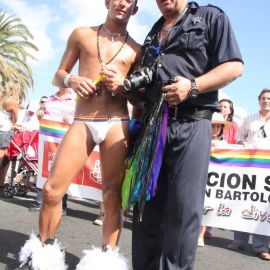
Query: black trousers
[167,237]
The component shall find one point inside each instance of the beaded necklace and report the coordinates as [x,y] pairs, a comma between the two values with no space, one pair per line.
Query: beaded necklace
[99,51]
[113,35]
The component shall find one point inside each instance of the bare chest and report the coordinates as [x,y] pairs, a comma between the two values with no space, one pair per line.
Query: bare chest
[103,52]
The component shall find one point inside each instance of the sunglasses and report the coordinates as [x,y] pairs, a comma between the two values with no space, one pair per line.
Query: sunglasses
[262,131]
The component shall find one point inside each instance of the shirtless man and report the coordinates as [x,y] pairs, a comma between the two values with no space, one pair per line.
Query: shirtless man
[106,55]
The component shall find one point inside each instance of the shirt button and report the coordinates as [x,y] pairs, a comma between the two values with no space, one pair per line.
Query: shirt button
[159,65]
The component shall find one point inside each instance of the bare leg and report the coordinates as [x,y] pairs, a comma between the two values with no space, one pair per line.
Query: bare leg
[3,169]
[71,156]
[202,232]
[201,236]
[112,154]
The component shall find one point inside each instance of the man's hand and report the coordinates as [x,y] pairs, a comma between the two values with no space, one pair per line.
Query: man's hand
[177,92]
[40,113]
[113,79]
[83,86]
[67,118]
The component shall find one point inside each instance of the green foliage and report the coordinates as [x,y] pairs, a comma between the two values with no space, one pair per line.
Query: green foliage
[15,50]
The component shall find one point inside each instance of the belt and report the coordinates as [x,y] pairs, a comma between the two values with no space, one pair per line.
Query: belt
[189,114]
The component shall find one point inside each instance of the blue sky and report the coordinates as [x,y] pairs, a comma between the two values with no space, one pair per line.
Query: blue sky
[52,21]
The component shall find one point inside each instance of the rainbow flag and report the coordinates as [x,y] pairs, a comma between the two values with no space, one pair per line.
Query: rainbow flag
[257,158]
[53,128]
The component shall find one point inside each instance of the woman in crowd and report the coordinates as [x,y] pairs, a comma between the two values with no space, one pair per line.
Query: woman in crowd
[227,109]
[9,99]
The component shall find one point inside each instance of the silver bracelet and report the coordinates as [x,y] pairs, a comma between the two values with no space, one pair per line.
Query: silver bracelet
[66,80]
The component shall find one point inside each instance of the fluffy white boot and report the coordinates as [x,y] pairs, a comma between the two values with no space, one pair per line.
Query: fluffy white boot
[96,259]
[42,257]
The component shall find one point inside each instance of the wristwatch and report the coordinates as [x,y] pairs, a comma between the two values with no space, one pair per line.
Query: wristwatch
[194,92]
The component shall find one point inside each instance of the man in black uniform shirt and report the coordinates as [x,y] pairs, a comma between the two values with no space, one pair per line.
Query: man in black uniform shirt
[196,46]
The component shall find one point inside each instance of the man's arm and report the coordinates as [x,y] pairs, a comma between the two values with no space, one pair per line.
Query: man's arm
[12,107]
[81,85]
[215,79]
[220,76]
[242,133]
[68,61]
[113,78]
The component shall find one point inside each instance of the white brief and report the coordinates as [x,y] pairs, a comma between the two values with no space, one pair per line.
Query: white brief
[100,125]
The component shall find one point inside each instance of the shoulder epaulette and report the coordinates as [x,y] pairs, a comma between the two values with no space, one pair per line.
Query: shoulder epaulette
[216,8]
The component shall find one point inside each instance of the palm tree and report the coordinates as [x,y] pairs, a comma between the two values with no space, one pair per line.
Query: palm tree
[15,50]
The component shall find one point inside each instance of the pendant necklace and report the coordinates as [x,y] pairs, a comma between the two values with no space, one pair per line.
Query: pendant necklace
[99,51]
[114,56]
[113,35]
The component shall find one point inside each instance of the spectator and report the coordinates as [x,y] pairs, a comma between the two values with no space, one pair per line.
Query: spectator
[227,109]
[9,100]
[219,125]
[30,120]
[21,112]
[43,101]
[58,107]
[99,220]
[254,134]
[255,130]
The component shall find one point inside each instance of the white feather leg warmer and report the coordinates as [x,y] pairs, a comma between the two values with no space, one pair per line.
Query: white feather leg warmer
[42,257]
[96,259]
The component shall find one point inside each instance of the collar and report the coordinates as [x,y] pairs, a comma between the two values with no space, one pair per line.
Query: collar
[69,97]
[192,8]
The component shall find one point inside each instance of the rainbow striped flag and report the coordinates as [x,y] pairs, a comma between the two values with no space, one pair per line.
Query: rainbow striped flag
[53,128]
[256,158]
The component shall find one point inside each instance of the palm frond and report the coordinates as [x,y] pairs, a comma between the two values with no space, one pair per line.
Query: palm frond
[16,49]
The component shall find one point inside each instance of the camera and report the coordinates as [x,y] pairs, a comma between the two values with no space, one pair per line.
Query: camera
[138,79]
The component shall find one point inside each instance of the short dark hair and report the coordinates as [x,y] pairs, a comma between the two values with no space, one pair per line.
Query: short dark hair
[265,90]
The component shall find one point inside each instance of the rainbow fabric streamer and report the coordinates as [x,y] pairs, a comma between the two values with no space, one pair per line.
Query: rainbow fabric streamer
[100,118]
[144,163]
[53,128]
[256,158]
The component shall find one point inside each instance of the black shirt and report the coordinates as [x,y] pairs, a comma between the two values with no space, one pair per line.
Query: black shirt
[199,42]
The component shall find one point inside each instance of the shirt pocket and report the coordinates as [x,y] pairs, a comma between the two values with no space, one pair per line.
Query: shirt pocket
[192,37]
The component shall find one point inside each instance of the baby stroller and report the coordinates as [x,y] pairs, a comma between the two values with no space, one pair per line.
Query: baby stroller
[23,154]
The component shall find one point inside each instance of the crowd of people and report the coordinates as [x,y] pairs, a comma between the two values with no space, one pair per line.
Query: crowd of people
[184,66]
[252,133]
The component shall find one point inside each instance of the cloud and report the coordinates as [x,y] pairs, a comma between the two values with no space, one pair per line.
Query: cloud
[92,12]
[81,13]
[37,18]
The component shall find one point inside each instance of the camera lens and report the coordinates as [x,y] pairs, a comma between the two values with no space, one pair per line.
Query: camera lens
[127,84]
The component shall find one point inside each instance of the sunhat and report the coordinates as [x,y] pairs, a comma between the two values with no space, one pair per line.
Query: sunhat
[217,118]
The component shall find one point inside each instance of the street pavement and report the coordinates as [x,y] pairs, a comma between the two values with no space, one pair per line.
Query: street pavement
[78,233]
